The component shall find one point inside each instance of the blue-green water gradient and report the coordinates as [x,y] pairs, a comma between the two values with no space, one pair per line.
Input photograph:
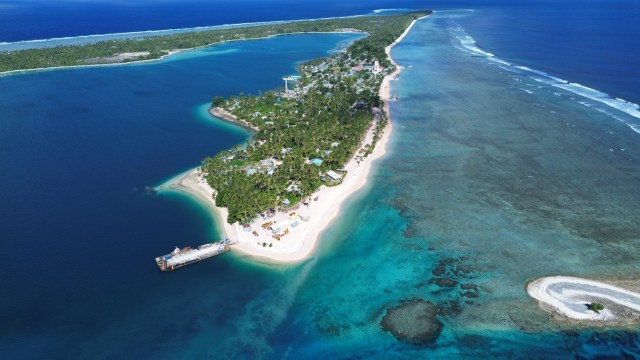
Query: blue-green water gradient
[491,179]
[80,234]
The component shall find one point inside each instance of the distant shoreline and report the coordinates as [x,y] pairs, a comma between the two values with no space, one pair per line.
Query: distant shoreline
[301,240]
[169,53]
[162,32]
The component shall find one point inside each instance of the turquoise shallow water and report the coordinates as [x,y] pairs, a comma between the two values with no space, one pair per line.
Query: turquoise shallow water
[491,179]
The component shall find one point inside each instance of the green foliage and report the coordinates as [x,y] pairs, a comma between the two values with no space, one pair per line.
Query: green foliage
[217,101]
[597,307]
[383,27]
[291,130]
[236,162]
[322,122]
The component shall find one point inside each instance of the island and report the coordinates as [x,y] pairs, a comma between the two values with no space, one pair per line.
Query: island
[313,142]
[151,48]
[579,301]
[313,146]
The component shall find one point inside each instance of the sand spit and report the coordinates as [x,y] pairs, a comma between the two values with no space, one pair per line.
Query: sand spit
[223,114]
[570,296]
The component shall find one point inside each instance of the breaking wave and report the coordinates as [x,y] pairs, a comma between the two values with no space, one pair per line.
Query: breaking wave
[378,11]
[602,102]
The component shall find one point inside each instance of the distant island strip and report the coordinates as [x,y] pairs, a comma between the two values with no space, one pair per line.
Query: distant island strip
[119,51]
[314,142]
[313,146]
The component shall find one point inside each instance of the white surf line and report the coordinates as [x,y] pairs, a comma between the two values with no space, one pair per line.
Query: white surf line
[606,101]
[570,296]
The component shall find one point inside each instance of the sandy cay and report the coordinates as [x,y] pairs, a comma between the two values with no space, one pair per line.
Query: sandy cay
[569,297]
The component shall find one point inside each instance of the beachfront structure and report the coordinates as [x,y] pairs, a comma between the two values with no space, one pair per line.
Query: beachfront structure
[334,175]
[279,226]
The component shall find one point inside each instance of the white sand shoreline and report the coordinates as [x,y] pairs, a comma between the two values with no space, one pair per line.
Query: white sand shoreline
[300,241]
[223,114]
[569,296]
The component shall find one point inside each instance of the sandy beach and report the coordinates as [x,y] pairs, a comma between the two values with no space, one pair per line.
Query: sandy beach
[300,241]
[223,114]
[569,297]
[303,225]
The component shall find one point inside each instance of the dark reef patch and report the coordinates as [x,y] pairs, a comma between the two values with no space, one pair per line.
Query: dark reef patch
[413,322]
[469,286]
[445,282]
[439,271]
[471,294]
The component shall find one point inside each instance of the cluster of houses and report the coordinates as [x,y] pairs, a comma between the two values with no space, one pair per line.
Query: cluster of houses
[279,228]
[266,166]
[330,72]
[322,76]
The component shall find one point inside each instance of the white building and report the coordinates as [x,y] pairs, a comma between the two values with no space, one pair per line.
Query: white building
[334,175]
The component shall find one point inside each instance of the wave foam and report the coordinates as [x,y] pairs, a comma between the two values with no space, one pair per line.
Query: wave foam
[378,11]
[468,44]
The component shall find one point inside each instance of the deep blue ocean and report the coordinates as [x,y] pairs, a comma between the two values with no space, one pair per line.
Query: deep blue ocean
[515,154]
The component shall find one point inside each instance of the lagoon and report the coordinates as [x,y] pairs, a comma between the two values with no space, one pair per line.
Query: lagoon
[78,148]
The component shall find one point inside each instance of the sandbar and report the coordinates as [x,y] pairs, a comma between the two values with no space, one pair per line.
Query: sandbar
[569,297]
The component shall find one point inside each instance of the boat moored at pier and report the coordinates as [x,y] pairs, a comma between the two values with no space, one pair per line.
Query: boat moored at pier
[185,256]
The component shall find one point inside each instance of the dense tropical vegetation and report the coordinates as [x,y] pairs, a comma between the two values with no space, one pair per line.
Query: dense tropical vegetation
[301,135]
[306,133]
[382,28]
